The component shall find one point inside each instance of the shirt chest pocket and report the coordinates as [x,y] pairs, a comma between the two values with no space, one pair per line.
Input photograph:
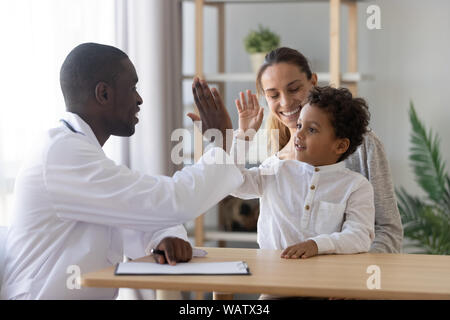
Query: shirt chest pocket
[329,217]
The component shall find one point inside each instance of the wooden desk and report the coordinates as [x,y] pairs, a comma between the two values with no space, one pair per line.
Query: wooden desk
[403,276]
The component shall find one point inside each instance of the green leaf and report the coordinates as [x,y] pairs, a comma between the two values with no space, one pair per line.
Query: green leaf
[426,159]
[262,40]
[426,221]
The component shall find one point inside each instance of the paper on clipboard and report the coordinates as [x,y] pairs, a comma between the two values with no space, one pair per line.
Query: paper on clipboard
[187,268]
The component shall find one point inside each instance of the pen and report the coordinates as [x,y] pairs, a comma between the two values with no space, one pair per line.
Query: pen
[195,252]
[156,251]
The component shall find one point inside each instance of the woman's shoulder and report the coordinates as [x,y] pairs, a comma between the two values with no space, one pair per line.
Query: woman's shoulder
[372,141]
[369,157]
[371,147]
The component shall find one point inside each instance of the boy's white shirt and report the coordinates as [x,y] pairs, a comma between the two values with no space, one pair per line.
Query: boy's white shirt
[331,205]
[75,207]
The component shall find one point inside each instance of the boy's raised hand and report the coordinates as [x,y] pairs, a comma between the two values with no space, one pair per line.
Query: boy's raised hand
[250,113]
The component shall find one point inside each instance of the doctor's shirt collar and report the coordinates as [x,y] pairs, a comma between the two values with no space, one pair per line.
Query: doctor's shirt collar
[81,127]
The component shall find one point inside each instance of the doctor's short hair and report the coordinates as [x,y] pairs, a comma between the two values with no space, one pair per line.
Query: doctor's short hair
[84,67]
[349,116]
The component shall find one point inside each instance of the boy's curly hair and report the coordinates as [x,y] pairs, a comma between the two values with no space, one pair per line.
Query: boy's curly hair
[349,116]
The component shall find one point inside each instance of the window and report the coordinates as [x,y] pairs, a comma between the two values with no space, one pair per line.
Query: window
[36,36]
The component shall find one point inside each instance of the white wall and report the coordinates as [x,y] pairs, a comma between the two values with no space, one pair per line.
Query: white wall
[407,59]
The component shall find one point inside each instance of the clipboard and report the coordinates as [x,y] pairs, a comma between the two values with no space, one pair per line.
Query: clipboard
[182,268]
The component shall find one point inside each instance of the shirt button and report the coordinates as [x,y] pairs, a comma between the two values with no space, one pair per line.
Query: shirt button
[312,187]
[307,207]
[316,169]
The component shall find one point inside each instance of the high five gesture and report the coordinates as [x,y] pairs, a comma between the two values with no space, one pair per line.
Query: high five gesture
[213,113]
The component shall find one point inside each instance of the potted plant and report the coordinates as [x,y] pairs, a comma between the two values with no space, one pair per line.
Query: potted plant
[258,43]
[426,220]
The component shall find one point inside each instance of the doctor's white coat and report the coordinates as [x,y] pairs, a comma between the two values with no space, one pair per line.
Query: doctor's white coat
[75,209]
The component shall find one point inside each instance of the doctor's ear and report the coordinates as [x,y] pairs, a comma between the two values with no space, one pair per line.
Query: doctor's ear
[103,93]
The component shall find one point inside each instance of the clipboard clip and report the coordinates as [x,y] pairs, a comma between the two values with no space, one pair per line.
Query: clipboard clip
[243,265]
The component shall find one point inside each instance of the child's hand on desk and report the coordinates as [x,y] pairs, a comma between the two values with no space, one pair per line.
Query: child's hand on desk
[302,250]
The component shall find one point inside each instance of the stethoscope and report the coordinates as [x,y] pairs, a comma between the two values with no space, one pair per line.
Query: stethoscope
[68,125]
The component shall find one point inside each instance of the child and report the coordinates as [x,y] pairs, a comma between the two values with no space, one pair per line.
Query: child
[312,205]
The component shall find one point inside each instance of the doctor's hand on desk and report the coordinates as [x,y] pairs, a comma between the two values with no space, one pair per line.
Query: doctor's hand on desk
[175,250]
[213,113]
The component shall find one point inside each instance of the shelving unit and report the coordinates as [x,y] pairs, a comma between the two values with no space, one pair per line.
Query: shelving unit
[334,77]
[323,77]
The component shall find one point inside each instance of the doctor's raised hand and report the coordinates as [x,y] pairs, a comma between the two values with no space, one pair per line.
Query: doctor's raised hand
[213,113]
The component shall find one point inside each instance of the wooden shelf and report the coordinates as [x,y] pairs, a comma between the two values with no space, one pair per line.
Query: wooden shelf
[335,77]
[323,77]
[262,1]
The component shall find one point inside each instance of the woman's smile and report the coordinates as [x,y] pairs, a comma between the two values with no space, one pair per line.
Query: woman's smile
[291,114]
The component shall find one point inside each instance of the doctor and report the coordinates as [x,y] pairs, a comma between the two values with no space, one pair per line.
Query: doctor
[75,209]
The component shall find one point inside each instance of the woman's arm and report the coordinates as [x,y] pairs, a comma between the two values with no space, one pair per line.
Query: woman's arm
[370,160]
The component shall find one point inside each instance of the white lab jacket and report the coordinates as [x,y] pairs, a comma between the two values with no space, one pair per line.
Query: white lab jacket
[75,207]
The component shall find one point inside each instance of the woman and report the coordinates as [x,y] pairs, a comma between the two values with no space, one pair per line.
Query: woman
[285,80]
